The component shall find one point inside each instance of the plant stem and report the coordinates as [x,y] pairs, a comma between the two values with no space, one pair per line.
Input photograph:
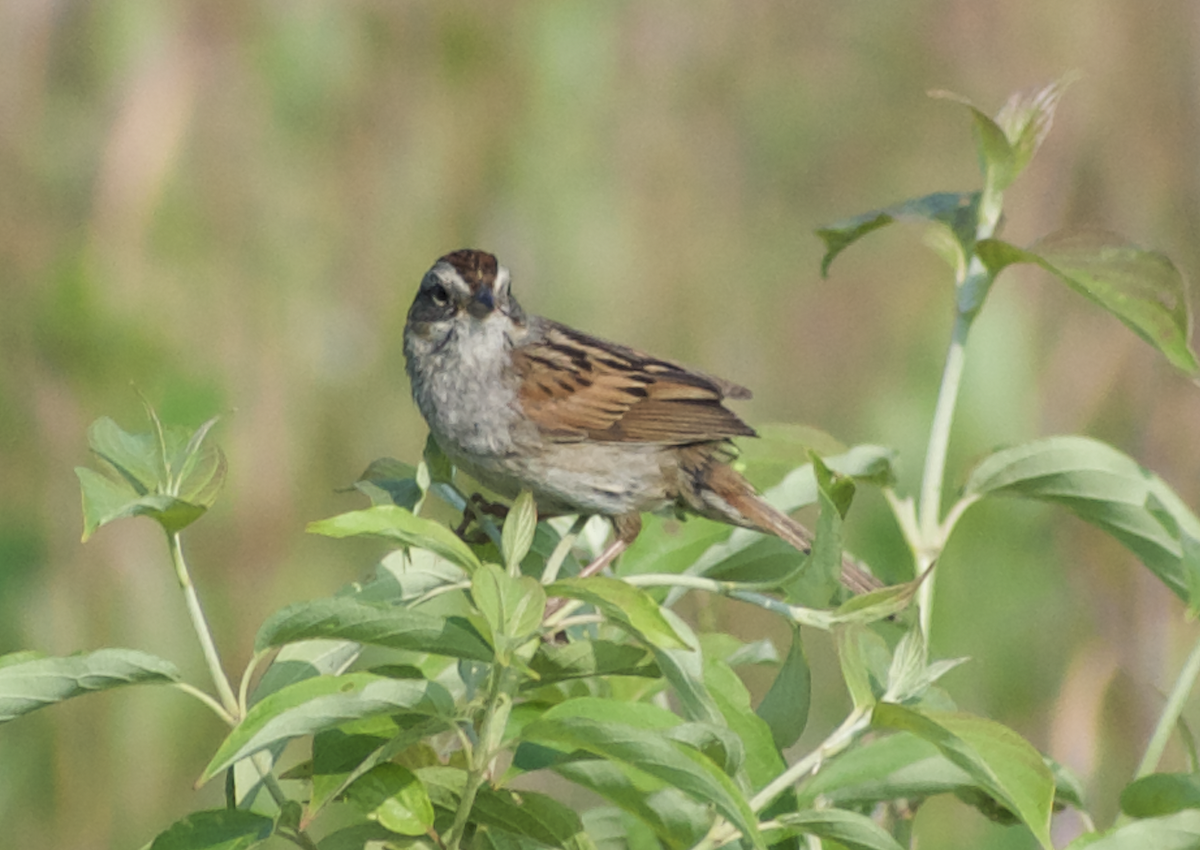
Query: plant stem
[491,731]
[1171,711]
[815,617]
[200,625]
[555,561]
[838,740]
[723,832]
[930,505]
[216,707]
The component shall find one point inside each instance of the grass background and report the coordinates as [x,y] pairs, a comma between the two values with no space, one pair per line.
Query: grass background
[229,205]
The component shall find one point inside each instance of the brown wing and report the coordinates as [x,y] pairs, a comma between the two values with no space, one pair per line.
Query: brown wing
[578,387]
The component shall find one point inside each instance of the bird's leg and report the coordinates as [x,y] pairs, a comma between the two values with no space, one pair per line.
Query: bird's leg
[476,507]
[627,528]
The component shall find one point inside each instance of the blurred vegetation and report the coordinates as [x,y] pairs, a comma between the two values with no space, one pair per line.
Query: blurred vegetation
[229,206]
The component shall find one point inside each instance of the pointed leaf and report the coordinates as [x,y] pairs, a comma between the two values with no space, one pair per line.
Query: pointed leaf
[1161,794]
[1142,288]
[999,760]
[512,607]
[678,820]
[849,829]
[762,761]
[519,528]
[527,814]
[396,523]
[393,796]
[1103,487]
[27,684]
[312,705]
[387,481]
[785,705]
[219,829]
[346,618]
[684,671]
[957,211]
[106,501]
[648,751]
[624,604]
[581,659]
[855,663]
[344,754]
[1026,119]
[136,458]
[1179,831]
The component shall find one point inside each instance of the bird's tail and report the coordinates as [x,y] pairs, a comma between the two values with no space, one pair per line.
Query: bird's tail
[741,495]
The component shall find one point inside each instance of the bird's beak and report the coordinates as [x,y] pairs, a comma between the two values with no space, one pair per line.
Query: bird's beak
[483,303]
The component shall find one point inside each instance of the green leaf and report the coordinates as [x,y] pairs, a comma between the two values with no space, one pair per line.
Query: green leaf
[359,835]
[347,752]
[747,555]
[106,501]
[853,655]
[784,708]
[526,813]
[1179,831]
[956,211]
[888,768]
[393,796]
[999,760]
[850,829]
[172,480]
[581,659]
[136,458]
[1161,794]
[762,760]
[219,829]
[1142,288]
[441,469]
[679,821]
[565,727]
[403,576]
[27,684]
[624,604]
[911,673]
[903,766]
[512,607]
[1103,487]
[388,481]
[683,669]
[312,705]
[670,545]
[519,528]
[1026,119]
[395,523]
[346,618]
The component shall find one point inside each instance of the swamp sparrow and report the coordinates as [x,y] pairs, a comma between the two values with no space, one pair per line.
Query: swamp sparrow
[589,426]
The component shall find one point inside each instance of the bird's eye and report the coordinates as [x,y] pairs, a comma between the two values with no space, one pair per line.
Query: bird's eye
[439,295]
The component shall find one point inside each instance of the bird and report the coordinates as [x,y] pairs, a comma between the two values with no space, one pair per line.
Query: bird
[588,426]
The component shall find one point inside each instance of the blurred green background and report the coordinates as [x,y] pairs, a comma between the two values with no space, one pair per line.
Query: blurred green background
[229,206]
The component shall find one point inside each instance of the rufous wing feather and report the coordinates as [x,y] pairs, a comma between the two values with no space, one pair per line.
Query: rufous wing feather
[578,387]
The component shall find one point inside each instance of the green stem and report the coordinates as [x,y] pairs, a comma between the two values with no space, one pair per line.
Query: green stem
[854,725]
[504,681]
[555,561]
[200,625]
[216,707]
[814,617]
[838,740]
[930,505]
[1171,712]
